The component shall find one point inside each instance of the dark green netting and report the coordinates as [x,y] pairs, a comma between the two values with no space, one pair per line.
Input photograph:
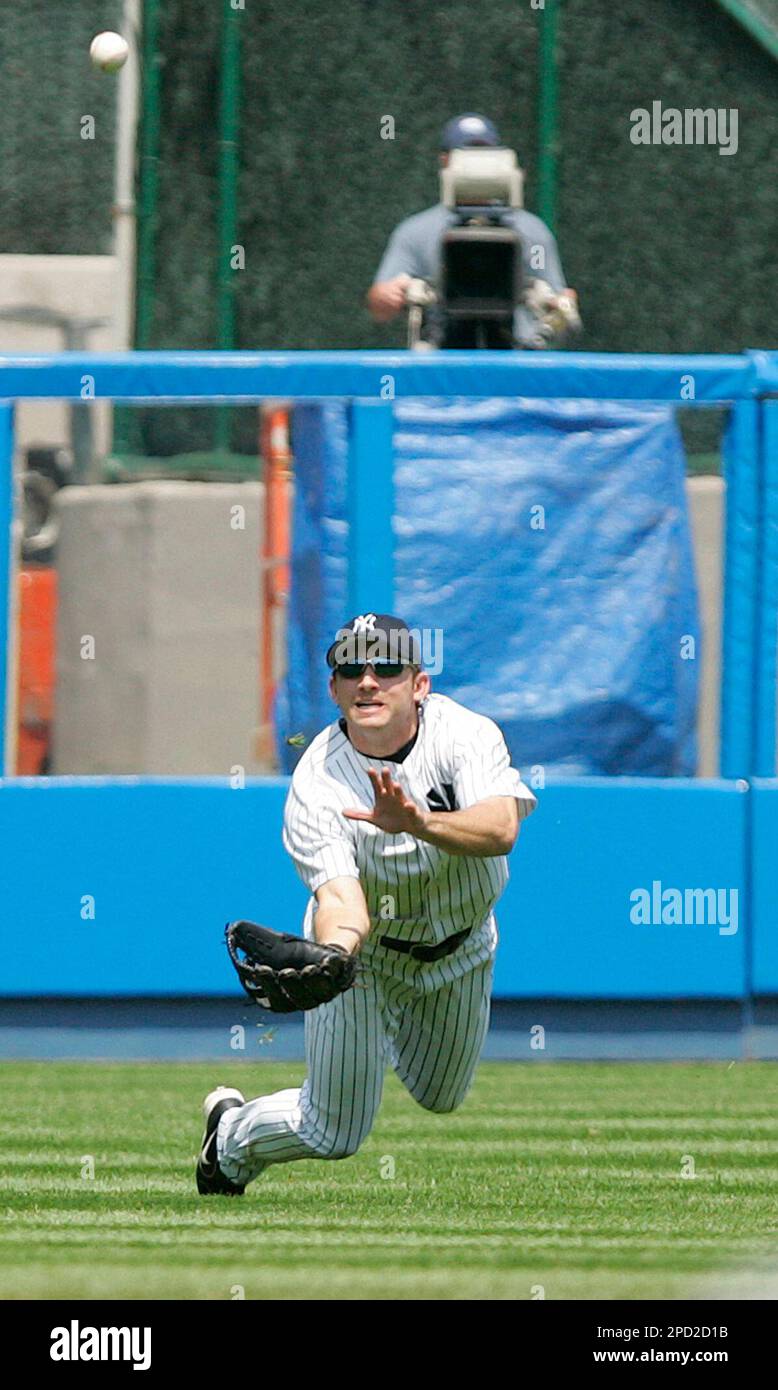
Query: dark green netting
[670,248]
[56,188]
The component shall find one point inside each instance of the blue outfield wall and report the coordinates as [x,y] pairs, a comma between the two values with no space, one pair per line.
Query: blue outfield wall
[566,919]
[167,863]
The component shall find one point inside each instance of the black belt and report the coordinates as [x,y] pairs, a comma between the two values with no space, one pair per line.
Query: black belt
[417,952]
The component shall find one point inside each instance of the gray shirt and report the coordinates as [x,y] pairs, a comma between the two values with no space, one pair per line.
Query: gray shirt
[414,249]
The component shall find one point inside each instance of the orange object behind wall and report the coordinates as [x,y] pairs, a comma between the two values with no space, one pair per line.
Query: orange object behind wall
[275,551]
[37,626]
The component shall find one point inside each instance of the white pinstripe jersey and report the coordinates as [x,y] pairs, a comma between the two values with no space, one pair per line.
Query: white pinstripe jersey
[415,890]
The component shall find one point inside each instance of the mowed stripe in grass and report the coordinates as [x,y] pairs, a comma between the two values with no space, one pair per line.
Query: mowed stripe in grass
[560,1180]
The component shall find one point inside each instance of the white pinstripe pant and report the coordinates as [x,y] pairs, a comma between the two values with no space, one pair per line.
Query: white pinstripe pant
[429,1028]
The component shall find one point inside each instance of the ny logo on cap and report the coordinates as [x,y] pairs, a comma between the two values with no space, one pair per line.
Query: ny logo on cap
[364,623]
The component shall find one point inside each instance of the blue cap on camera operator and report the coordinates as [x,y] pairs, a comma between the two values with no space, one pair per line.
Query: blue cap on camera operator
[461,132]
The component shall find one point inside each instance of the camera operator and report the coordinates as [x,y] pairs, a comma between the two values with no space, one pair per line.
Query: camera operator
[545,310]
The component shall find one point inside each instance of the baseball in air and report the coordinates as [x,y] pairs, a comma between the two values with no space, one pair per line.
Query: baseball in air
[108,51]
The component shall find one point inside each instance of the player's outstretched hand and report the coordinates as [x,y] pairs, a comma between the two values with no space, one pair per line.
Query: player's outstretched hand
[393,811]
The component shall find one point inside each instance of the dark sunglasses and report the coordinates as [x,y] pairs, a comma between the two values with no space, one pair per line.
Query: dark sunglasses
[352,670]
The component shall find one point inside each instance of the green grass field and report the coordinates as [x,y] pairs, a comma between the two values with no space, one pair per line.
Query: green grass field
[565,1176]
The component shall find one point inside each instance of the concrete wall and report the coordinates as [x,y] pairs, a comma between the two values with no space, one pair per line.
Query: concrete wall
[165,578]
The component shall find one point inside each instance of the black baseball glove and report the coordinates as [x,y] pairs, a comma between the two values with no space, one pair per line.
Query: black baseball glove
[284,973]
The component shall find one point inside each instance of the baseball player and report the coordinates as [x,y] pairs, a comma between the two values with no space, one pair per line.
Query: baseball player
[399,818]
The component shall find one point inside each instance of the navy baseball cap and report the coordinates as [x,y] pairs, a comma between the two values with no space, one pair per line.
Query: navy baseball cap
[469,129]
[371,636]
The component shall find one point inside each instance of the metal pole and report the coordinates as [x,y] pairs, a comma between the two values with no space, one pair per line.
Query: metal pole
[8,596]
[81,432]
[767,595]
[229,102]
[148,193]
[758,26]
[124,211]
[741,463]
[124,182]
[548,114]
[370,507]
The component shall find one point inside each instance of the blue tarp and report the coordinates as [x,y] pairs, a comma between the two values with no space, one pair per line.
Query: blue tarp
[547,545]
